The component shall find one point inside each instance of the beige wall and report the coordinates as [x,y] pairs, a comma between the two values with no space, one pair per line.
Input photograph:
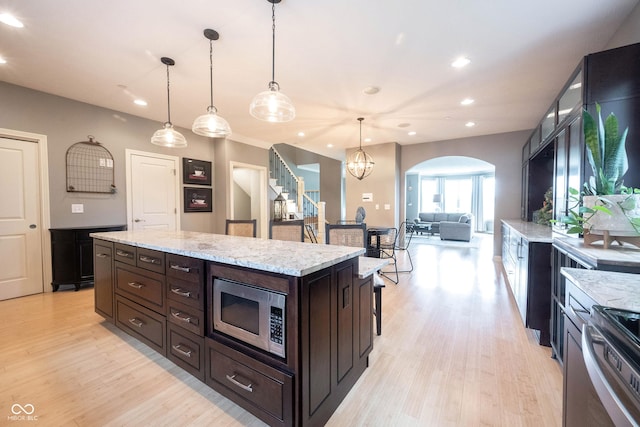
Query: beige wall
[629,31]
[383,184]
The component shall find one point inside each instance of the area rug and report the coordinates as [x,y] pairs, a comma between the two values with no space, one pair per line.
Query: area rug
[435,241]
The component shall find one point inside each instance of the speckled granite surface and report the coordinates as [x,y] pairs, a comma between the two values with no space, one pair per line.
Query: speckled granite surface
[531,231]
[595,255]
[618,290]
[276,256]
[368,266]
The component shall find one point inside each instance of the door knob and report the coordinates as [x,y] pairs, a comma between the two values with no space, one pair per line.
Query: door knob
[32,226]
[138,220]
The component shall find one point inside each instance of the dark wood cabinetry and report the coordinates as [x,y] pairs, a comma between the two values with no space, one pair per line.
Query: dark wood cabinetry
[556,146]
[165,301]
[527,267]
[72,255]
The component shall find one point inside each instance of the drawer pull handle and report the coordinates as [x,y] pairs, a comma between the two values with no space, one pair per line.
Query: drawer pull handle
[149,260]
[135,285]
[102,255]
[181,351]
[124,254]
[233,380]
[180,268]
[136,322]
[180,292]
[177,314]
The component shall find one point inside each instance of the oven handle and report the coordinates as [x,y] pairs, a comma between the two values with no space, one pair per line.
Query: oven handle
[591,339]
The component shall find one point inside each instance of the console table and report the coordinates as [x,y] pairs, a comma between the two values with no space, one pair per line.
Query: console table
[72,254]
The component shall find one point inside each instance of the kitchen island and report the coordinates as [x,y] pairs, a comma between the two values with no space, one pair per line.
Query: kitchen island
[159,287]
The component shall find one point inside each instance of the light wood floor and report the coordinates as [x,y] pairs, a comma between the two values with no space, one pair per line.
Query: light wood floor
[453,352]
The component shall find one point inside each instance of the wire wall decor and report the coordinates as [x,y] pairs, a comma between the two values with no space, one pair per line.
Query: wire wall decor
[89,168]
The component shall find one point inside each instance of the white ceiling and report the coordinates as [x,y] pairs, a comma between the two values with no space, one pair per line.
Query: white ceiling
[327,52]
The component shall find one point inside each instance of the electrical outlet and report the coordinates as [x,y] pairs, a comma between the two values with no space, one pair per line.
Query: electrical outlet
[387,206]
[377,206]
[77,208]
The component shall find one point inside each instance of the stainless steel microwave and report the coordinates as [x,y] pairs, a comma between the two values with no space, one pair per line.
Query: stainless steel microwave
[250,314]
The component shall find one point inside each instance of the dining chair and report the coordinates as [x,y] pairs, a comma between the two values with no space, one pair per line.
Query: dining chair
[387,249]
[292,230]
[240,227]
[405,234]
[346,234]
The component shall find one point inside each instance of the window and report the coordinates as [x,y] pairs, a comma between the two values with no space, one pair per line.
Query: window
[429,188]
[457,195]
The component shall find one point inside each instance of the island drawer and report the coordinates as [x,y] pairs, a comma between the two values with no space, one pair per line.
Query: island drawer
[186,317]
[186,350]
[185,268]
[150,260]
[144,287]
[142,323]
[186,292]
[125,253]
[263,390]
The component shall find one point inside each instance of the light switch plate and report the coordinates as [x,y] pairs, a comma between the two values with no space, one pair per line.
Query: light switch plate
[77,208]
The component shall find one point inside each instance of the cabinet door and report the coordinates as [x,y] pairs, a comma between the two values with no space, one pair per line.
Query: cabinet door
[103,284]
[560,183]
[523,279]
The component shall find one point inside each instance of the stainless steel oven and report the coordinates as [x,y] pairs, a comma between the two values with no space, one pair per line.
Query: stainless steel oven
[611,351]
[253,315]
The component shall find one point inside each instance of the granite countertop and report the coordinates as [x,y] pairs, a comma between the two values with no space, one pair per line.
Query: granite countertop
[367,266]
[597,256]
[530,230]
[607,288]
[276,256]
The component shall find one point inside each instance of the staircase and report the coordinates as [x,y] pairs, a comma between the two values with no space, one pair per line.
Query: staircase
[302,204]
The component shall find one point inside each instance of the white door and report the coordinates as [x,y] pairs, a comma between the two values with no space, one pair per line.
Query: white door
[152,191]
[20,234]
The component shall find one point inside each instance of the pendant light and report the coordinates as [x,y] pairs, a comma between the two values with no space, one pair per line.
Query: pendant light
[211,124]
[360,164]
[272,105]
[168,136]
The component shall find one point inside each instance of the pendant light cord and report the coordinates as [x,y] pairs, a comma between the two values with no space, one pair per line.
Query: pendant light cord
[360,119]
[273,42]
[211,71]
[168,98]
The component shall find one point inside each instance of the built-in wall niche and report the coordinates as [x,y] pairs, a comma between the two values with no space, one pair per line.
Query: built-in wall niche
[541,169]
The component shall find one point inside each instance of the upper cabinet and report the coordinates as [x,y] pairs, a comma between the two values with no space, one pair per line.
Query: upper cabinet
[556,146]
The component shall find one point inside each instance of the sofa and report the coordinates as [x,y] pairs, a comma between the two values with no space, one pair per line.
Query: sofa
[450,226]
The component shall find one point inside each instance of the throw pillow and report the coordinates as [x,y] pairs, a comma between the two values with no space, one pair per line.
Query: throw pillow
[464,219]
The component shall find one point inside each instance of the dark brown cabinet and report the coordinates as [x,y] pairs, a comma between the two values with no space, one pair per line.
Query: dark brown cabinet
[527,267]
[72,255]
[556,155]
[163,300]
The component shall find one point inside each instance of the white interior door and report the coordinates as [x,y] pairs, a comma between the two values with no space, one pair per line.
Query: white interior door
[251,180]
[152,191]
[20,224]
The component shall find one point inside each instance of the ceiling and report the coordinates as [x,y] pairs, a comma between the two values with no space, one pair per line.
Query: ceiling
[327,53]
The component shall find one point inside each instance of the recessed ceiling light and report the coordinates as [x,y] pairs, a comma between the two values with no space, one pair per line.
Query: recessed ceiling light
[371,90]
[470,124]
[461,62]
[140,102]
[300,134]
[367,140]
[467,101]
[7,18]
[412,133]
[2,60]
[404,125]
[330,145]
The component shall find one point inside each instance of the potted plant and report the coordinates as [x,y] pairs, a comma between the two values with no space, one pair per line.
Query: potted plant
[608,207]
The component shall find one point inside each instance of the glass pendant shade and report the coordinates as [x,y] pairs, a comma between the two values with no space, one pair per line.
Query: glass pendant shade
[168,137]
[360,164]
[272,105]
[211,125]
